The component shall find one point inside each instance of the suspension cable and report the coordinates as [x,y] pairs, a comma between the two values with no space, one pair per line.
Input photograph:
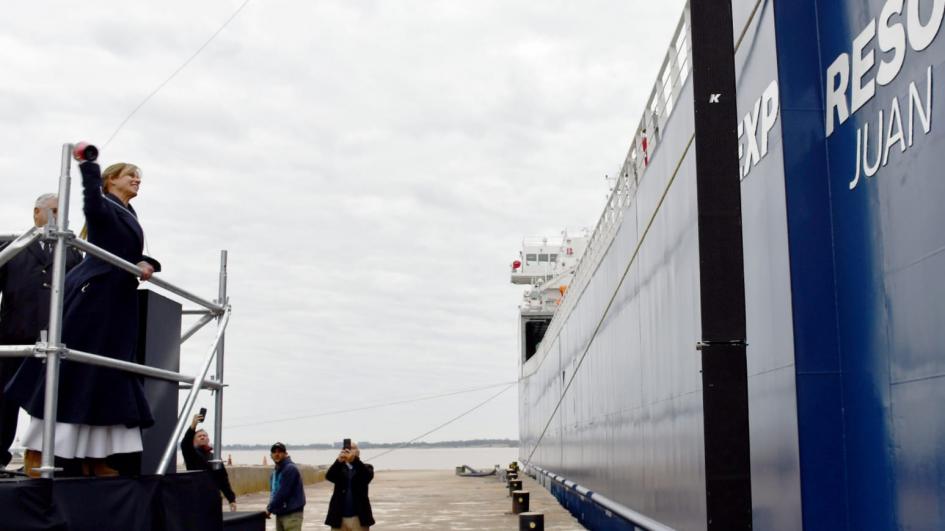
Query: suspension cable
[445,424]
[373,406]
[174,74]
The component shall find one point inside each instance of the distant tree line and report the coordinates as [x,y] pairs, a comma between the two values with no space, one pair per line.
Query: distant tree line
[469,443]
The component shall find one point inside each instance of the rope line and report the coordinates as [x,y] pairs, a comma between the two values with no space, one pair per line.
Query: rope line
[373,406]
[174,74]
[445,424]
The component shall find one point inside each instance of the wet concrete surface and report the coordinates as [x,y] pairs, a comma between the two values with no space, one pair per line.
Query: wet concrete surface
[432,500]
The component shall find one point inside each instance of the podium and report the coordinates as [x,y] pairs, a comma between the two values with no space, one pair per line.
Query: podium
[159,329]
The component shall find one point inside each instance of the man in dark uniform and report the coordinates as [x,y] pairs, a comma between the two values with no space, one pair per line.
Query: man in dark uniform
[25,285]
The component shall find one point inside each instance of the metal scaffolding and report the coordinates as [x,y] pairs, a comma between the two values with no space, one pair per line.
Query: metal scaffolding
[53,351]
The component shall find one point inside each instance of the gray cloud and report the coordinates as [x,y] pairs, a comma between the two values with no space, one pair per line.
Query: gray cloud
[371,167]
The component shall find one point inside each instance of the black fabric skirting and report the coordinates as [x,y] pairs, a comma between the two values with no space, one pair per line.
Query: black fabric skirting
[175,502]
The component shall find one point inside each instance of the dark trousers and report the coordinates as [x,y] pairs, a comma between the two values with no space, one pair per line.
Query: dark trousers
[9,411]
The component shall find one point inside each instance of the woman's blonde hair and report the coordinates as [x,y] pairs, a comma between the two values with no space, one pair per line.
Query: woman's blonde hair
[115,170]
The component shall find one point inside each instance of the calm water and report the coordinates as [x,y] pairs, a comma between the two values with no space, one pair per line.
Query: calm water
[406,459]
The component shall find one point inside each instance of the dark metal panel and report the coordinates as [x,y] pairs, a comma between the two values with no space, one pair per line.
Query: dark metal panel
[159,346]
[722,282]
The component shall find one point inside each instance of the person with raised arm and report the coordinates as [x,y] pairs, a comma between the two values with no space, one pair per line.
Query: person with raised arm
[198,454]
[350,508]
[101,411]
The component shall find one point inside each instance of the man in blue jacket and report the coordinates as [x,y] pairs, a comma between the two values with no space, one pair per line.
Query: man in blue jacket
[287,495]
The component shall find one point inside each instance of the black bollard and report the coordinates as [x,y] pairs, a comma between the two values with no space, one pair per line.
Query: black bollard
[514,485]
[519,501]
[531,522]
[512,475]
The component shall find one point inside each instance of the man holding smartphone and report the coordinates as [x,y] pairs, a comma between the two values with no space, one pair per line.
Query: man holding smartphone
[198,455]
[350,508]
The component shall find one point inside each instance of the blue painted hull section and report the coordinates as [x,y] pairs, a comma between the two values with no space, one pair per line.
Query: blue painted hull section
[590,514]
[845,294]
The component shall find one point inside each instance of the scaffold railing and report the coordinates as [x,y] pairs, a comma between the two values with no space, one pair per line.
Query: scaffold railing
[51,349]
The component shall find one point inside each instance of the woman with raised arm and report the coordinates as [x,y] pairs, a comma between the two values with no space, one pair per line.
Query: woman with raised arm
[101,411]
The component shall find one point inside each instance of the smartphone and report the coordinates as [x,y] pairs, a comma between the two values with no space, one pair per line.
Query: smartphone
[203,413]
[346,444]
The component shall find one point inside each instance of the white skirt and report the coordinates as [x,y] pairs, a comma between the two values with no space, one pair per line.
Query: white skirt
[77,441]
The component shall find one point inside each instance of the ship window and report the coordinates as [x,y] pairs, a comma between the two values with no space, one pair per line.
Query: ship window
[543,257]
[534,332]
[529,258]
[554,258]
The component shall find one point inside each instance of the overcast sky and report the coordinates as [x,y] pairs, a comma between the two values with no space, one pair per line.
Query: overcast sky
[371,166]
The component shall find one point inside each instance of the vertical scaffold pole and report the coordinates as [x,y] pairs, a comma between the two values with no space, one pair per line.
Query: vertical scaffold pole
[54,334]
[218,403]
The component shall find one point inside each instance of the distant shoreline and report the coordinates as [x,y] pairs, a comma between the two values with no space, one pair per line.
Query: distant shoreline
[365,445]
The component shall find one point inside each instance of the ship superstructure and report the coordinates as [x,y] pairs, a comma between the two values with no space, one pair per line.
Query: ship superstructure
[547,266]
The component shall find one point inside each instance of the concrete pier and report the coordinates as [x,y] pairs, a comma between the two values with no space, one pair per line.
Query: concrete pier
[434,500]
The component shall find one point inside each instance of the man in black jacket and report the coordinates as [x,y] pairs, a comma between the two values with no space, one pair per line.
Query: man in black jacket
[25,284]
[350,508]
[197,456]
[286,492]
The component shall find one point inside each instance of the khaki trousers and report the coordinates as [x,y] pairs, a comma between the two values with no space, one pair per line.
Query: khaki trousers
[351,523]
[289,522]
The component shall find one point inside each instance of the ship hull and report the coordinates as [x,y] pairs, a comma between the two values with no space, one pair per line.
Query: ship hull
[844,295]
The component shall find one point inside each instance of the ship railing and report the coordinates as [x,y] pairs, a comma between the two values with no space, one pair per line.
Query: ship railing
[639,521]
[541,241]
[670,80]
[53,351]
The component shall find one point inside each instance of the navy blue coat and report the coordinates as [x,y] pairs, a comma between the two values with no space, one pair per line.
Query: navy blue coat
[100,316]
[286,492]
[338,474]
